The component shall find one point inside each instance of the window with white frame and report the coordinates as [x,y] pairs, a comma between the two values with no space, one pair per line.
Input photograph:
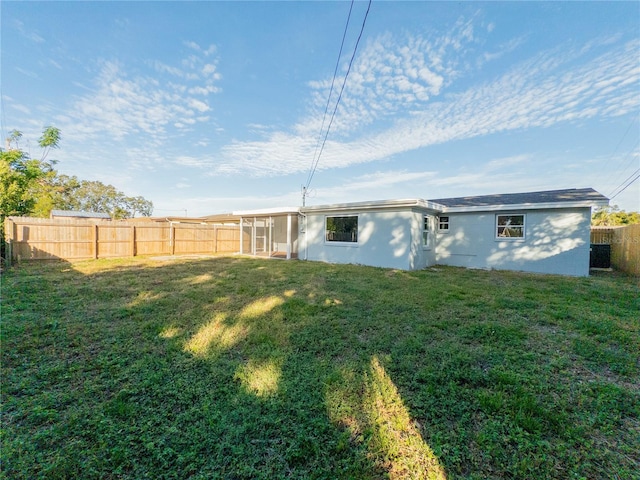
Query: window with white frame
[510,226]
[341,229]
[443,224]
[426,231]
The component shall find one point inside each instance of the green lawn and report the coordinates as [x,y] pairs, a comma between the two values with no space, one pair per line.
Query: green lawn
[243,368]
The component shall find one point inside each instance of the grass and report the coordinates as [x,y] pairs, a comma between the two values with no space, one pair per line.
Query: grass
[244,368]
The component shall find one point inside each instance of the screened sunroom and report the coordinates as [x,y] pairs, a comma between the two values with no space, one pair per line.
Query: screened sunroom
[273,235]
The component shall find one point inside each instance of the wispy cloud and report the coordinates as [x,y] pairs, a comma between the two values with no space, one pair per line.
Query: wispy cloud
[189,161]
[205,205]
[500,163]
[208,51]
[563,85]
[10,102]
[393,74]
[361,187]
[498,175]
[27,73]
[27,33]
[54,64]
[502,50]
[124,105]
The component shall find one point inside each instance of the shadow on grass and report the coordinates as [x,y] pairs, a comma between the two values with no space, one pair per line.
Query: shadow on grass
[243,368]
[218,369]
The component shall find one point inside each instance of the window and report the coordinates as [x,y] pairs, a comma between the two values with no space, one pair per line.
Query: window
[341,229]
[510,226]
[426,231]
[443,224]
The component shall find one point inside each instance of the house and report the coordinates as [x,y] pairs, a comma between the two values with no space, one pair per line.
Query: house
[544,232]
[78,214]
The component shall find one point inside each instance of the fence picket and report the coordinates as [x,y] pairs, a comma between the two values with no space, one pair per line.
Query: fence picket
[73,239]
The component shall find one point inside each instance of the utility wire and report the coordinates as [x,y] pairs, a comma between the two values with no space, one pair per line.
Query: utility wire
[625,168]
[616,178]
[628,181]
[315,166]
[633,120]
[611,171]
[326,108]
[628,185]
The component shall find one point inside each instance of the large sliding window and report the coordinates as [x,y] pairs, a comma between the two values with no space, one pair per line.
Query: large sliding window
[341,229]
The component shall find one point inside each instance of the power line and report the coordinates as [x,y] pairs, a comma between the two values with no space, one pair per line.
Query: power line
[630,182]
[623,136]
[355,49]
[344,82]
[614,173]
[326,108]
[626,165]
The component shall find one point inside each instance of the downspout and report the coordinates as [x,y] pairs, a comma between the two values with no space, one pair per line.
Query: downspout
[253,236]
[269,236]
[289,243]
[303,230]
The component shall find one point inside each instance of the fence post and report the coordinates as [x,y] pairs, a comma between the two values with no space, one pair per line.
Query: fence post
[133,240]
[95,241]
[172,239]
[8,236]
[215,239]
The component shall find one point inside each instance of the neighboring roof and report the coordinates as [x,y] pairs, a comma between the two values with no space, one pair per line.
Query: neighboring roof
[78,214]
[573,197]
[221,218]
[209,219]
[267,212]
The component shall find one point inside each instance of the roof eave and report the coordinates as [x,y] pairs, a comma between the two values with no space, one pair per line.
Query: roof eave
[373,205]
[526,206]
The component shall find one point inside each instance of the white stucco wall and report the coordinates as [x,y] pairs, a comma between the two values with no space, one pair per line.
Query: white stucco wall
[389,238]
[556,241]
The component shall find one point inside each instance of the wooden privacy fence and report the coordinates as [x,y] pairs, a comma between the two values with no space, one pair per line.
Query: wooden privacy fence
[602,235]
[625,249]
[72,239]
[625,246]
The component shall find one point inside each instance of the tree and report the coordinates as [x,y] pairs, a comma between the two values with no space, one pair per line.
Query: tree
[50,139]
[33,187]
[20,175]
[70,193]
[613,216]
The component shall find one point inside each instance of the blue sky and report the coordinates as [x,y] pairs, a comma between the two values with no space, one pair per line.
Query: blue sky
[211,107]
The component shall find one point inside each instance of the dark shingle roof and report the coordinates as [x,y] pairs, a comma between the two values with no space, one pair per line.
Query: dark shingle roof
[551,196]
